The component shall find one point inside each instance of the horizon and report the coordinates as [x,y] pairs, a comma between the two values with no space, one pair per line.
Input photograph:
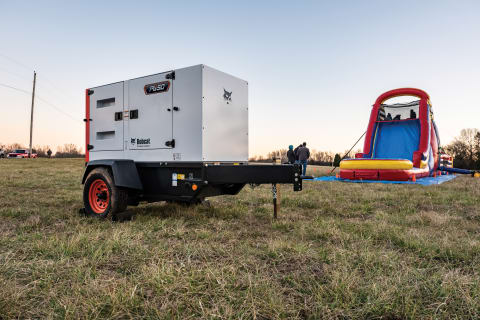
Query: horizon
[312,80]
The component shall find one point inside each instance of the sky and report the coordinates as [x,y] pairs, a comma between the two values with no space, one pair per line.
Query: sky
[314,67]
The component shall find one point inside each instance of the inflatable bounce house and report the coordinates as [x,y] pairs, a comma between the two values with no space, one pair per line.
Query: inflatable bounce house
[401,142]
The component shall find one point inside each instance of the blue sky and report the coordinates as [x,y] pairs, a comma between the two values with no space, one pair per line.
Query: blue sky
[314,67]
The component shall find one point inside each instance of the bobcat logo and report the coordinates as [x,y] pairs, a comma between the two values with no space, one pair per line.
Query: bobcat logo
[227,95]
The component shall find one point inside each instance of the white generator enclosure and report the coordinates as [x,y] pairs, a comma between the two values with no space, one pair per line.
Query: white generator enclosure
[194,114]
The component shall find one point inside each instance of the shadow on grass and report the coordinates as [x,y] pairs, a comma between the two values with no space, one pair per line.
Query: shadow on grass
[188,211]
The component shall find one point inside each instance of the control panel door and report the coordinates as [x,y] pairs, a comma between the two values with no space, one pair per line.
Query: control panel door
[150,112]
[106,114]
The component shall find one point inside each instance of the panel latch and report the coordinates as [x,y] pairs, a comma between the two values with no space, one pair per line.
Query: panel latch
[170,143]
[134,114]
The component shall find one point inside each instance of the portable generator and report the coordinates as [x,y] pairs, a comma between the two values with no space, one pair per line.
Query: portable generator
[179,136]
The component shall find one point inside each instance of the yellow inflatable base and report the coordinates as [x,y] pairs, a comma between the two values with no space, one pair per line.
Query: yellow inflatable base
[376,164]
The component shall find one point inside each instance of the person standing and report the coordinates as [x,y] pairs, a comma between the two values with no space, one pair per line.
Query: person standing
[291,155]
[303,156]
[49,153]
[295,152]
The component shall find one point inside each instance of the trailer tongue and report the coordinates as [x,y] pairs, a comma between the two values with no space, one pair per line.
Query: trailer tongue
[180,136]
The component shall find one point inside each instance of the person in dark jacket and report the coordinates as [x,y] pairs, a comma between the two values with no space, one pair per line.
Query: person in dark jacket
[303,154]
[296,154]
[291,155]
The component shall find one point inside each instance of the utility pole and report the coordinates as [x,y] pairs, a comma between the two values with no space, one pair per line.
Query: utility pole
[31,114]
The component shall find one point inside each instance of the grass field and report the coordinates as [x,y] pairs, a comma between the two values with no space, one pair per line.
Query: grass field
[337,251]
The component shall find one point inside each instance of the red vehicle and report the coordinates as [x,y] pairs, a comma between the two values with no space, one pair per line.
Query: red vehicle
[21,153]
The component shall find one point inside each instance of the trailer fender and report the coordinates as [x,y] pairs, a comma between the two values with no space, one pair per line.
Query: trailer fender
[124,172]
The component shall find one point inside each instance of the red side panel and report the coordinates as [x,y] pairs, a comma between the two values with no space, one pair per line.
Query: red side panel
[367,175]
[367,145]
[417,158]
[87,125]
[389,175]
[424,132]
[347,174]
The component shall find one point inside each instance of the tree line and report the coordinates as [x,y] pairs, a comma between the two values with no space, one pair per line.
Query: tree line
[465,149]
[68,150]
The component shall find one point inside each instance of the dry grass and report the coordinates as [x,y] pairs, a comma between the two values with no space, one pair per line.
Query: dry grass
[338,251]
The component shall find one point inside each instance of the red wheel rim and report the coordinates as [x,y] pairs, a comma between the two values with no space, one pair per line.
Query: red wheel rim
[99,196]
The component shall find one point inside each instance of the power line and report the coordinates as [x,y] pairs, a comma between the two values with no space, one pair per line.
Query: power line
[16,62]
[28,92]
[51,83]
[15,88]
[15,74]
[58,109]
[43,100]
[24,78]
[38,85]
[63,99]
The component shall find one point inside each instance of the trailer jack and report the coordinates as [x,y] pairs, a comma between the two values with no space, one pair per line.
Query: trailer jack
[275,194]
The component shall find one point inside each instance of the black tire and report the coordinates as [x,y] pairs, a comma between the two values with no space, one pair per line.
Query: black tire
[115,200]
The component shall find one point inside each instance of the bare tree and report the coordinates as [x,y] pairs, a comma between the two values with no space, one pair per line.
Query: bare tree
[68,150]
[465,149]
[13,146]
[41,151]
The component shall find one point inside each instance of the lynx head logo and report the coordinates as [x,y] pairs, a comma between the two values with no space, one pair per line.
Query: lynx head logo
[227,95]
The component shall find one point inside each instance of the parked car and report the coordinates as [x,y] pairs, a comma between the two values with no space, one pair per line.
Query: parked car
[2,153]
[21,153]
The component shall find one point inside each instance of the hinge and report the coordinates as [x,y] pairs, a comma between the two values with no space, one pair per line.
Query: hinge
[90,92]
[85,120]
[89,147]
[170,143]
[171,75]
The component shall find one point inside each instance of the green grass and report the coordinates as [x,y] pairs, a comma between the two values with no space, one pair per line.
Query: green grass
[337,251]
